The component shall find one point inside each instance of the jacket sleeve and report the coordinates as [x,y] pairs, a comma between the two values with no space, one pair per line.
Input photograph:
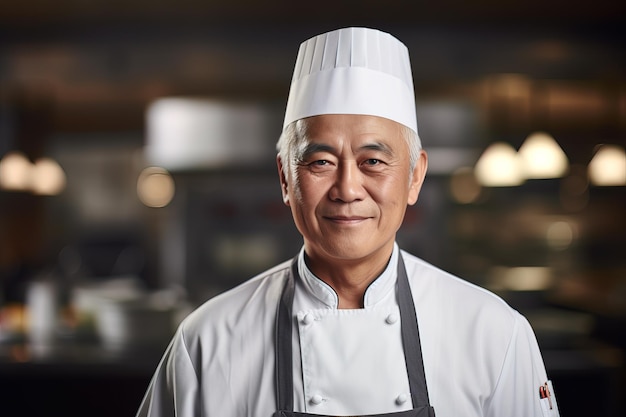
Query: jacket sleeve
[517,393]
[173,391]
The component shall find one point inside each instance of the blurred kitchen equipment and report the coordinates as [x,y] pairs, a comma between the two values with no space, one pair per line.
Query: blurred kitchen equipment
[185,133]
[123,315]
[42,307]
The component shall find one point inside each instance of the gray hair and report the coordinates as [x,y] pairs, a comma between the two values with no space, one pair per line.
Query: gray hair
[291,144]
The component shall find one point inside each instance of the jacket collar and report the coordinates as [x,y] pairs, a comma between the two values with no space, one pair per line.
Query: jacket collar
[375,293]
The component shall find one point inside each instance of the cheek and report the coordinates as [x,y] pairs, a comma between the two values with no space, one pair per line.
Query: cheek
[390,191]
[309,189]
[294,192]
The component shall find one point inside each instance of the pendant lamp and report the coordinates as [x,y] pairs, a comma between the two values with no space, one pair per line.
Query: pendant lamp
[608,166]
[542,157]
[499,166]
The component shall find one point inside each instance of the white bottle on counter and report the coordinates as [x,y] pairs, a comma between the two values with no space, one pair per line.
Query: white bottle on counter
[42,304]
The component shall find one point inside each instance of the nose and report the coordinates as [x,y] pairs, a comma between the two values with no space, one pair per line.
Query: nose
[348,183]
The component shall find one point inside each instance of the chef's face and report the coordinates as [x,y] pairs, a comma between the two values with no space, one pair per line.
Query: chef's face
[350,185]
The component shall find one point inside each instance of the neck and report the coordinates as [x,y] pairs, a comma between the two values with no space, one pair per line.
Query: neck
[348,278]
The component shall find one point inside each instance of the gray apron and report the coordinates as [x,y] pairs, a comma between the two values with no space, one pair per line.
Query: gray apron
[410,342]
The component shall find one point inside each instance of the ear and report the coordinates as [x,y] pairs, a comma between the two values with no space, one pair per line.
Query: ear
[419,173]
[283,180]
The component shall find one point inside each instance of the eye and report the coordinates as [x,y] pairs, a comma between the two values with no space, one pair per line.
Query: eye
[372,162]
[314,163]
[318,165]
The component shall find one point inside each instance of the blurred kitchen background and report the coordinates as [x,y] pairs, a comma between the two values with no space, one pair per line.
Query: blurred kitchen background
[138,179]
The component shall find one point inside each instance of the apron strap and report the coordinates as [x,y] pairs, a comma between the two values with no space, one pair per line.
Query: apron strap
[410,341]
[283,343]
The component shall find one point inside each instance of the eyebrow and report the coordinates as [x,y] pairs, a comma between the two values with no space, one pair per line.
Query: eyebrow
[312,148]
[378,146]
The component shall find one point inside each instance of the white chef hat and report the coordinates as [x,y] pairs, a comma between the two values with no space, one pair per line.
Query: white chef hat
[353,71]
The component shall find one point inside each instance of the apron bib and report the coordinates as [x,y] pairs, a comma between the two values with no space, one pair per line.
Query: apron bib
[410,342]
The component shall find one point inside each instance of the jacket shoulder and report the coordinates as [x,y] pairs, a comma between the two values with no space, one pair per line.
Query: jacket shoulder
[247,303]
[454,291]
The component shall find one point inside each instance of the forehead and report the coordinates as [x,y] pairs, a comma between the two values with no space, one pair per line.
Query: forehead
[351,127]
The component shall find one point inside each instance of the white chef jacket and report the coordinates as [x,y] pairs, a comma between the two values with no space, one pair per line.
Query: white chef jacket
[480,356]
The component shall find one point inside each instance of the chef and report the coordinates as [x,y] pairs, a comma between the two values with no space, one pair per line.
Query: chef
[352,325]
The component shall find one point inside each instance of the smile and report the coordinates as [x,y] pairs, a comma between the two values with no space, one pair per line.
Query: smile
[346,219]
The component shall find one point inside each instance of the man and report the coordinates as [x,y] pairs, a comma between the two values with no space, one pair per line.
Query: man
[353,325]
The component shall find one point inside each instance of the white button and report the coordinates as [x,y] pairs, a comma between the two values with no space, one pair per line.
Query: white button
[307,319]
[392,318]
[401,399]
[316,399]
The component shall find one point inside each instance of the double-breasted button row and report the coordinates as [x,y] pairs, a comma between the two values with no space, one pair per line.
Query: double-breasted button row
[308,319]
[317,399]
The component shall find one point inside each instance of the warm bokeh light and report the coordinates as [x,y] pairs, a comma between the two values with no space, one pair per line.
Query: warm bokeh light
[560,235]
[521,278]
[48,178]
[608,166]
[155,187]
[542,157]
[499,166]
[15,172]
[464,187]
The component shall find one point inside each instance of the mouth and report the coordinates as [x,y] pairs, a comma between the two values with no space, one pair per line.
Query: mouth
[346,220]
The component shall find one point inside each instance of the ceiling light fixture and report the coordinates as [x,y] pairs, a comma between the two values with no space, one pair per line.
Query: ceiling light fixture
[499,166]
[15,171]
[608,166]
[47,178]
[542,157]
